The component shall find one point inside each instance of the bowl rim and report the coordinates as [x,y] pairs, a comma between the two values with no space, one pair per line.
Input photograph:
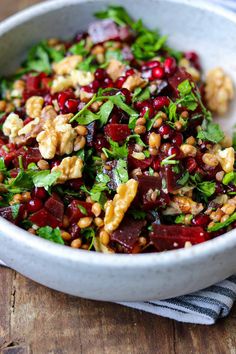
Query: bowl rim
[60,252]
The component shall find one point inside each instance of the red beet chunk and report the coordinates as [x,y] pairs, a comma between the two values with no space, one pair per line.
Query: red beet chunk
[7,214]
[43,218]
[168,237]
[101,31]
[179,76]
[55,207]
[8,152]
[32,83]
[171,177]
[117,132]
[151,193]
[142,164]
[128,233]
[39,92]
[74,212]
[29,155]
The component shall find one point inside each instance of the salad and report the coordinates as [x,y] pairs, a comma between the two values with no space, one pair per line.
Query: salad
[107,142]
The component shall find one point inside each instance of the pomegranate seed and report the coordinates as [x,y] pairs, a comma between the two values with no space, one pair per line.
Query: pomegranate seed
[156,165]
[193,58]
[34,205]
[150,64]
[100,142]
[147,108]
[160,102]
[72,105]
[177,139]
[119,82]
[127,94]
[165,131]
[107,83]
[63,97]
[39,193]
[170,65]
[100,74]
[191,165]
[174,150]
[201,220]
[129,72]
[158,73]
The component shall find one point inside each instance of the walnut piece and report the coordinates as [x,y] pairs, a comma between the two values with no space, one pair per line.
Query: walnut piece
[226,159]
[81,78]
[28,128]
[70,168]
[66,65]
[34,106]
[185,63]
[57,137]
[115,69]
[61,83]
[219,90]
[12,125]
[134,81]
[115,209]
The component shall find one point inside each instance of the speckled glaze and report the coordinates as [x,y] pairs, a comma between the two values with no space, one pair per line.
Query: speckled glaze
[191,25]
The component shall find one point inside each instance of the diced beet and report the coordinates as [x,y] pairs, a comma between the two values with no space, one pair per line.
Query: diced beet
[29,155]
[55,207]
[92,127]
[128,233]
[7,214]
[8,152]
[179,76]
[74,230]
[101,31]
[142,164]
[74,213]
[43,218]
[100,142]
[151,193]
[39,92]
[168,237]
[171,177]
[117,132]
[75,183]
[32,83]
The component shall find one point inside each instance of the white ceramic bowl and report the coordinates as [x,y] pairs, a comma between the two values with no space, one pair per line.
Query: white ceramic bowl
[191,25]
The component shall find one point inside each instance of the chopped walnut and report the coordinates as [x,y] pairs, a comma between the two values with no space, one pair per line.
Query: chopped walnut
[70,168]
[134,81]
[28,128]
[34,106]
[66,65]
[61,83]
[226,159]
[18,88]
[219,90]
[57,137]
[115,209]
[85,96]
[115,69]
[48,112]
[185,205]
[12,125]
[81,78]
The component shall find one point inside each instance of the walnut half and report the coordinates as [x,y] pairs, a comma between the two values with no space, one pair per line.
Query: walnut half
[70,168]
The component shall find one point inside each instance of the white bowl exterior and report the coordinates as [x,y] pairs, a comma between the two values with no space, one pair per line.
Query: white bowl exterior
[122,277]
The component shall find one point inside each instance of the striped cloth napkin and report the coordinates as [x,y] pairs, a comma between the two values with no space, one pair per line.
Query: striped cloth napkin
[202,307]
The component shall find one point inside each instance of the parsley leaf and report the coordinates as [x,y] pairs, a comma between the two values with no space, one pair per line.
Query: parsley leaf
[89,234]
[121,172]
[116,13]
[168,161]
[221,225]
[184,179]
[82,209]
[79,48]
[137,214]
[88,64]
[45,178]
[50,234]
[15,210]
[141,94]
[212,133]
[207,188]
[116,151]
[3,168]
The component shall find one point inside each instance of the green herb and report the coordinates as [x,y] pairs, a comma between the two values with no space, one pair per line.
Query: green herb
[105,112]
[116,13]
[137,214]
[97,192]
[45,178]
[79,48]
[151,171]
[3,168]
[82,209]
[207,188]
[116,151]
[137,139]
[50,234]
[180,219]
[212,133]
[102,178]
[141,94]
[114,54]
[234,137]
[88,64]
[221,225]
[121,172]
[20,160]
[32,166]
[150,122]
[89,234]
[184,179]
[15,210]
[21,183]
[168,161]
[229,177]
[81,154]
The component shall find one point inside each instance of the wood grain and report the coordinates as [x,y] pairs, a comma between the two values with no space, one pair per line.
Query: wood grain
[37,320]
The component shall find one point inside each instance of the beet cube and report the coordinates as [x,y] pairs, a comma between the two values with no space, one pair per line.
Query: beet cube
[43,218]
[117,132]
[55,207]
[78,209]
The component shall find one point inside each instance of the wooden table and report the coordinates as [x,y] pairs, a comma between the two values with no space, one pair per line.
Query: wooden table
[37,320]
